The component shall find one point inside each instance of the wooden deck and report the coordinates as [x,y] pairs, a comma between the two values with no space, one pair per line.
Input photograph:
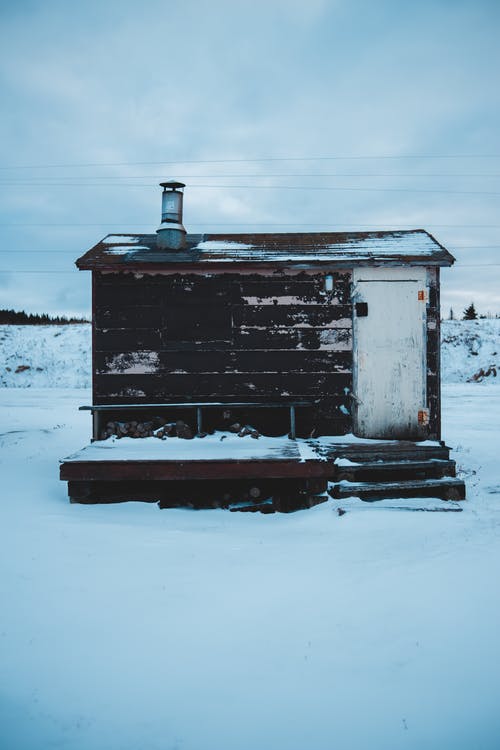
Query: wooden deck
[198,471]
[224,456]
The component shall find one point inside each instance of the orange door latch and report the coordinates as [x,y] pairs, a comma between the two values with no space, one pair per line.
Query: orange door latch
[423,416]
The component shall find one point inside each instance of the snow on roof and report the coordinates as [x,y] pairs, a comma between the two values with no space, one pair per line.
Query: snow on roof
[414,243]
[222,245]
[345,249]
[417,242]
[124,249]
[113,239]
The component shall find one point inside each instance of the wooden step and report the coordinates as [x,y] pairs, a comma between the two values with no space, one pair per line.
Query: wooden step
[421,504]
[374,450]
[394,471]
[446,489]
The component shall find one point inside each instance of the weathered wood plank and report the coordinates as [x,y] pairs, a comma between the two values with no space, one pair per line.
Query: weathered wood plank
[327,339]
[209,322]
[133,339]
[248,338]
[178,285]
[230,361]
[395,471]
[400,450]
[265,284]
[176,323]
[129,293]
[174,470]
[306,287]
[129,317]
[447,489]
[291,315]
[207,387]
[109,339]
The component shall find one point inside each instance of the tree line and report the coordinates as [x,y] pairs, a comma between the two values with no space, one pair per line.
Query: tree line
[470,313]
[13,317]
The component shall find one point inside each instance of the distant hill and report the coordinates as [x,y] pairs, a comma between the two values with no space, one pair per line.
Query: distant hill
[13,317]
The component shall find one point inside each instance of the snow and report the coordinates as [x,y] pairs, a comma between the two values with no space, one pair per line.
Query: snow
[222,245]
[469,346]
[346,462]
[125,249]
[56,356]
[415,242]
[124,626]
[120,239]
[222,446]
[128,627]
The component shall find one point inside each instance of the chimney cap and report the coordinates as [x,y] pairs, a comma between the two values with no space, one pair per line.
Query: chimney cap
[172,184]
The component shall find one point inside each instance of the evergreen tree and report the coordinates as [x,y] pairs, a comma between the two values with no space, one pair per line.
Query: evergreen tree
[470,312]
[11,317]
[452,314]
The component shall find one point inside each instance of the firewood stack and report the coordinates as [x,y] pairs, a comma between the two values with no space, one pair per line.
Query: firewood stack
[148,428]
[244,430]
[157,428]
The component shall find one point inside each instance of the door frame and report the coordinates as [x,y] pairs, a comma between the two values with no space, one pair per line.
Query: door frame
[390,274]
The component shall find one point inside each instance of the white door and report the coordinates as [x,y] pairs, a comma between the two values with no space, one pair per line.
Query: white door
[389,364]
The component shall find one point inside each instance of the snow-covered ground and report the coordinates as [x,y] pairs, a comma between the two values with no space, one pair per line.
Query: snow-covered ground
[60,356]
[126,627]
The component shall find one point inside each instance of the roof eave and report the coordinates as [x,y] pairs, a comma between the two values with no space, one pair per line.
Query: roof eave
[444,259]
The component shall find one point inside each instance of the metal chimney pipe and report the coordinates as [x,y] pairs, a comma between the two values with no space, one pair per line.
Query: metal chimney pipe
[171,233]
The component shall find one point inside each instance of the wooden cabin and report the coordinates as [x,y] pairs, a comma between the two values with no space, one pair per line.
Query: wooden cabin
[311,334]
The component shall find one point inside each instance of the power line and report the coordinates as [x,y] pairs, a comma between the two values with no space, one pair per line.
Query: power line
[249,224]
[251,161]
[275,187]
[43,180]
[14,270]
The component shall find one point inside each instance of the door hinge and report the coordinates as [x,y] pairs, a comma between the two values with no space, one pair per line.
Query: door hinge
[422,295]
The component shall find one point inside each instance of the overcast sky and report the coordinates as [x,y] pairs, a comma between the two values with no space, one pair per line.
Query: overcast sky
[98,98]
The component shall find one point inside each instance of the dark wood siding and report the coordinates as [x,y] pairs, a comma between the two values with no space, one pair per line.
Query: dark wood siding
[433,354]
[263,338]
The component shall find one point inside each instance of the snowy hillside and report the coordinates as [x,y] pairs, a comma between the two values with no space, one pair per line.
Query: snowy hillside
[56,356]
[60,356]
[469,346]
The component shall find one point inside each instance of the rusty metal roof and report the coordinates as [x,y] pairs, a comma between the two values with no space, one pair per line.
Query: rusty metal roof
[140,253]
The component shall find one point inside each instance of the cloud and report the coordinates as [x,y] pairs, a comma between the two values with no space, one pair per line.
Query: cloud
[125,82]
